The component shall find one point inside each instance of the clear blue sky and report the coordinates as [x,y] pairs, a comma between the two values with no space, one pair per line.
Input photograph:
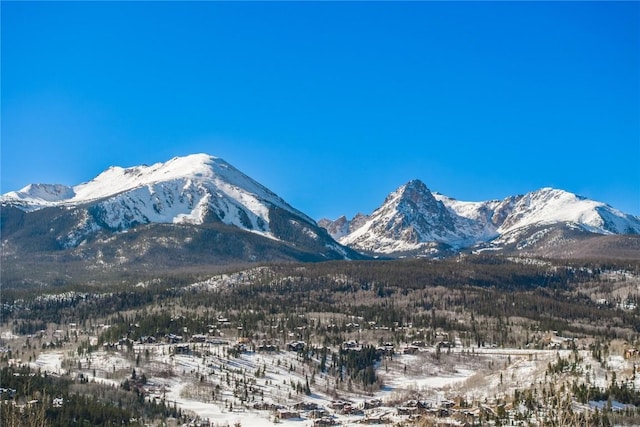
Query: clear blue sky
[331,105]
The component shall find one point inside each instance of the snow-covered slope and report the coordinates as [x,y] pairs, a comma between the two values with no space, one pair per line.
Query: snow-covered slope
[516,215]
[36,196]
[413,220]
[489,214]
[183,190]
[549,206]
[192,190]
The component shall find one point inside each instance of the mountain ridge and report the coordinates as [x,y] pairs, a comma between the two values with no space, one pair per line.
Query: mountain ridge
[495,224]
[200,189]
[196,190]
[116,179]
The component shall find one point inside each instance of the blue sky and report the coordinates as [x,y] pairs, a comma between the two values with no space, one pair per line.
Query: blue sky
[331,105]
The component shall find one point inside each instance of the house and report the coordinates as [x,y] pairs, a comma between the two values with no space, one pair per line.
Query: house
[317,414]
[267,347]
[287,414]
[181,349]
[443,412]
[408,410]
[325,421]
[386,349]
[447,403]
[217,341]
[10,392]
[350,345]
[173,339]
[306,406]
[296,345]
[197,422]
[263,406]
[373,403]
[442,336]
[338,404]
[350,409]
[147,340]
[376,418]
[198,338]
[410,349]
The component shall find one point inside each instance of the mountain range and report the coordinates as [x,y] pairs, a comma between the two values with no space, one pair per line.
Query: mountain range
[413,221]
[200,210]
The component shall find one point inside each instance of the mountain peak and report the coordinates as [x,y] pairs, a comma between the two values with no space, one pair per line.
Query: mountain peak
[415,185]
[412,220]
[116,179]
[193,190]
[33,195]
[551,206]
[414,191]
[342,226]
[189,189]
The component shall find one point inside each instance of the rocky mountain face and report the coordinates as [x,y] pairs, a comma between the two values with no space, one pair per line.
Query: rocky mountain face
[194,194]
[342,226]
[413,221]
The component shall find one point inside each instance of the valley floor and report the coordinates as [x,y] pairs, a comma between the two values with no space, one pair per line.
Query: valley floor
[456,385]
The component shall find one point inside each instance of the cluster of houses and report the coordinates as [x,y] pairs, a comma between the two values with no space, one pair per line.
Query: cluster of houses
[321,416]
[373,412]
[243,344]
[181,345]
[388,348]
[7,397]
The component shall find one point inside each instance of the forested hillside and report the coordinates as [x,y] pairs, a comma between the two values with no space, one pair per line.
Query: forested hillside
[338,328]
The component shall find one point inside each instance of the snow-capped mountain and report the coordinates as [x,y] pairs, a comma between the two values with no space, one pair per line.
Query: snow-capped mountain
[182,190]
[193,190]
[412,220]
[200,204]
[545,207]
[548,206]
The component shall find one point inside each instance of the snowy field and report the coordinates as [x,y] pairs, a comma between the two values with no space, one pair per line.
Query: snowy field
[211,384]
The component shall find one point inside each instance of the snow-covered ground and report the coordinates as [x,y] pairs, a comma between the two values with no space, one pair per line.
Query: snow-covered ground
[50,362]
[214,385]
